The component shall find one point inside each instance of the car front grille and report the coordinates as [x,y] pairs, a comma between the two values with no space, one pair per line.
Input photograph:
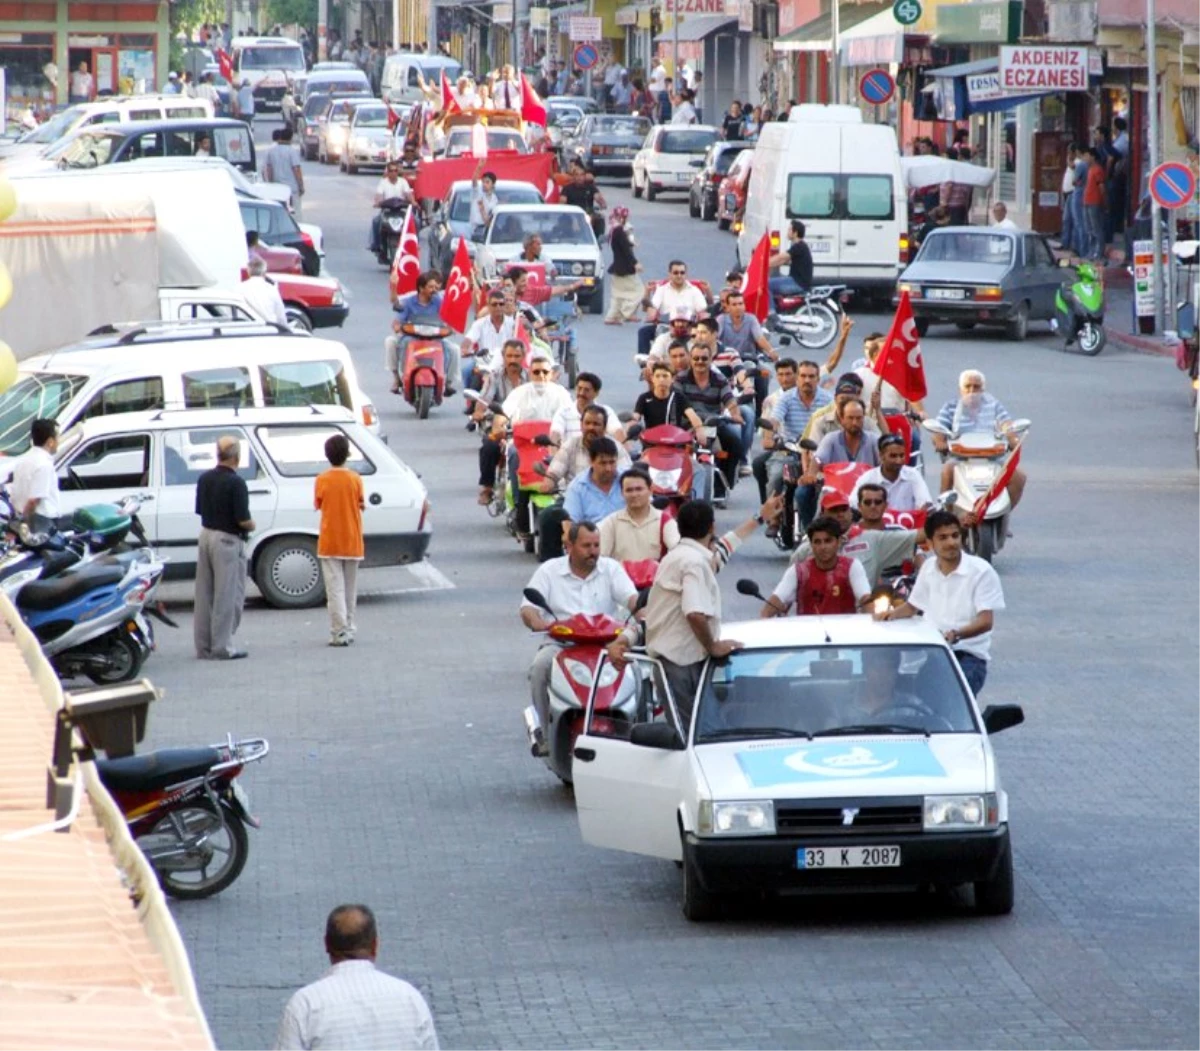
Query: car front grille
[828,817]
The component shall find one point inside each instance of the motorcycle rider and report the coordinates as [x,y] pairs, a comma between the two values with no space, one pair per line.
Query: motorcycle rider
[676,291]
[704,336]
[680,328]
[891,400]
[531,252]
[498,384]
[797,257]
[709,393]
[422,307]
[567,421]
[742,332]
[591,495]
[573,457]
[579,582]
[849,444]
[392,190]
[582,192]
[661,404]
[785,376]
[789,419]
[905,486]
[487,335]
[827,582]
[976,410]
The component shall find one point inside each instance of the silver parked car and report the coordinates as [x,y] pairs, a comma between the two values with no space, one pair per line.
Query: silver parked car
[982,275]
[369,139]
[607,142]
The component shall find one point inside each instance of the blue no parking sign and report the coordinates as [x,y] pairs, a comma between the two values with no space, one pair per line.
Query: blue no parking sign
[1172,185]
[876,87]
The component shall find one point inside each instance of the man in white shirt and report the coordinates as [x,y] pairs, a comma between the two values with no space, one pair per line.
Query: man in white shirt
[906,488]
[1000,219]
[567,421]
[82,86]
[683,109]
[483,195]
[392,187]
[34,486]
[578,582]
[354,1004]
[958,594]
[486,337]
[677,292]
[262,293]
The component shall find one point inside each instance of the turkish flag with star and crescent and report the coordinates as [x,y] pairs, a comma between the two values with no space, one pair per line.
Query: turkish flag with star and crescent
[899,363]
[407,264]
[456,302]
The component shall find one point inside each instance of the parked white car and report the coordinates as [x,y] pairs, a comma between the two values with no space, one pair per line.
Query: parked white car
[567,240]
[669,158]
[164,453]
[830,754]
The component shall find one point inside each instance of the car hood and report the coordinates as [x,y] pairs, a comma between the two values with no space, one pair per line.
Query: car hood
[374,134]
[956,273]
[845,766]
[584,253]
[315,290]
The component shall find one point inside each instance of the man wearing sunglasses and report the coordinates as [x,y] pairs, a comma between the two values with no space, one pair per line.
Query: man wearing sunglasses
[905,486]
[710,394]
[677,292]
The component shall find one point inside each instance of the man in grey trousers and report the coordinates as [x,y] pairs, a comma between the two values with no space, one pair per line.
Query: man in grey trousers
[223,504]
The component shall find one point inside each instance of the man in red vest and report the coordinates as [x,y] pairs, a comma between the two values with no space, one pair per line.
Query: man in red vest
[828,582]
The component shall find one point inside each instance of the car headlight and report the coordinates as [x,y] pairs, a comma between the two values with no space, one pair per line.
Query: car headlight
[577,269]
[338,299]
[948,813]
[750,818]
[582,674]
[589,269]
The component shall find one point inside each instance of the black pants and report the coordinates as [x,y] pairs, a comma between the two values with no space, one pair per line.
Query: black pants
[646,334]
[550,523]
[759,466]
[489,461]
[731,443]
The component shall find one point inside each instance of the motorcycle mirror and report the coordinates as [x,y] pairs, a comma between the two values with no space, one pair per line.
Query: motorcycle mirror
[635,430]
[748,587]
[642,599]
[1020,426]
[535,597]
[948,499]
[933,427]
[543,440]
[624,417]
[808,445]
[496,407]
[1064,263]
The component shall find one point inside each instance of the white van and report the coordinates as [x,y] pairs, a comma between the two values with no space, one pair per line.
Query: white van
[400,81]
[843,179]
[145,365]
[270,63]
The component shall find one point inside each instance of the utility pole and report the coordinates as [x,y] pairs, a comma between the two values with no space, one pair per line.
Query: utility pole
[835,25]
[1160,291]
[431,27]
[322,29]
[675,46]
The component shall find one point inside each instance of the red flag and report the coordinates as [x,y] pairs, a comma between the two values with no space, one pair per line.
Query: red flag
[533,109]
[456,303]
[224,64]
[755,280]
[407,264]
[449,102]
[1000,484]
[899,363]
[393,118]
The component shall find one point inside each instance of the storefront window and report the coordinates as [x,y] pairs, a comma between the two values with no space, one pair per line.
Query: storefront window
[136,71]
[28,86]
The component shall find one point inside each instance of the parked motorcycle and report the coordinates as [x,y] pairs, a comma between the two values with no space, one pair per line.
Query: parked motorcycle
[979,459]
[423,370]
[187,812]
[1079,311]
[811,318]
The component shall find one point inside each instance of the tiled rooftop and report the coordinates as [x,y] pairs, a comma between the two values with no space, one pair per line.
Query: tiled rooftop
[81,965]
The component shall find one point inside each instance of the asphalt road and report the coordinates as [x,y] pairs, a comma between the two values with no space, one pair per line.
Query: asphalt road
[399,774]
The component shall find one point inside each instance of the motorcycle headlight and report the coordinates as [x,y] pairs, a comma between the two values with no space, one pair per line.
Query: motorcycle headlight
[749,818]
[979,472]
[396,222]
[661,478]
[951,813]
[582,674]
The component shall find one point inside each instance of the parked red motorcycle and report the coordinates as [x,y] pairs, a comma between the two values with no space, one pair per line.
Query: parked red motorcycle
[187,812]
[423,371]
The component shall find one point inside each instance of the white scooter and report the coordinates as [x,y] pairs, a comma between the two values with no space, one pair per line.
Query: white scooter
[979,458]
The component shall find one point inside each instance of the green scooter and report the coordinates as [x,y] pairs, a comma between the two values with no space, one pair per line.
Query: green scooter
[1079,310]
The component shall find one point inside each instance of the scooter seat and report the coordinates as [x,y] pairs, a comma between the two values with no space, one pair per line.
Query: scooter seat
[46,594]
[145,773]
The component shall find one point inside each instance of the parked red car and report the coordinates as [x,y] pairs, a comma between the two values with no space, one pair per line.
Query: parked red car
[315,302]
[731,194]
[280,259]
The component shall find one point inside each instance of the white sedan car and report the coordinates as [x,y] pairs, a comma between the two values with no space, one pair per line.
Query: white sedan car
[830,754]
[567,240]
[669,158]
[163,453]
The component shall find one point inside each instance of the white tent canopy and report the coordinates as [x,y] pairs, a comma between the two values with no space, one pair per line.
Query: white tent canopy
[933,171]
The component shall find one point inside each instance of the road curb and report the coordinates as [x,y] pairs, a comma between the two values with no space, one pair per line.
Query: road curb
[1142,344]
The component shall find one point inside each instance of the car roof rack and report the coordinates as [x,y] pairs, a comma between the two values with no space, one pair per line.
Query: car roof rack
[130,332]
[313,409]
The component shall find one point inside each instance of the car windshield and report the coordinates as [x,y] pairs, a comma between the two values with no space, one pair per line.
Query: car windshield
[554,228]
[34,396]
[56,127]
[344,86]
[89,150]
[458,141]
[628,127]
[433,74]
[686,141]
[832,690]
[967,247]
[268,57]
[460,203]
[725,158]
[371,117]
[315,105]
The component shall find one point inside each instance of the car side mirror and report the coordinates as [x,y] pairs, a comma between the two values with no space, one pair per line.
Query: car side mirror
[657,735]
[997,717]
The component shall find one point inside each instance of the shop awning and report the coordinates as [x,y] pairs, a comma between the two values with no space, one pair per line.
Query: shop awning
[696,27]
[972,87]
[817,35]
[876,41]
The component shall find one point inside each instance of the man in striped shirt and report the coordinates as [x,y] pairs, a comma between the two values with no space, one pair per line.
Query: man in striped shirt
[354,1005]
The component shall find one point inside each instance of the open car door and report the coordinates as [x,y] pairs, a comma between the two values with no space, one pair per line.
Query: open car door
[628,794]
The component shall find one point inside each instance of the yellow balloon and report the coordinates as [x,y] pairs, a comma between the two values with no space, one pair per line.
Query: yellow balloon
[8,199]
[5,286]
[8,367]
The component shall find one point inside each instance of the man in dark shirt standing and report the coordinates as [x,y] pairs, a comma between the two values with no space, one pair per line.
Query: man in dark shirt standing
[799,261]
[223,504]
[582,192]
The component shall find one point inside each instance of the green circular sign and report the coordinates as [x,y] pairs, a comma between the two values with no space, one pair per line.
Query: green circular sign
[907,12]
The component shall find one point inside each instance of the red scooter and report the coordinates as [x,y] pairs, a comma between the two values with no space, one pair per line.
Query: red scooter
[667,452]
[423,370]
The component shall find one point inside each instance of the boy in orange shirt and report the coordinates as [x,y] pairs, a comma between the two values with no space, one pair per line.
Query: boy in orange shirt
[338,495]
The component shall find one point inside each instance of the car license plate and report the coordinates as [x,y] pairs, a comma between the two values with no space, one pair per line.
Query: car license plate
[847,857]
[820,247]
[945,293]
[683,176]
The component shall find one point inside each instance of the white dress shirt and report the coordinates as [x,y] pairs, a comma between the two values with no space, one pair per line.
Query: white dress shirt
[605,591]
[488,341]
[907,493]
[33,477]
[568,422]
[400,190]
[953,600]
[527,403]
[666,298]
[356,1006]
[263,295]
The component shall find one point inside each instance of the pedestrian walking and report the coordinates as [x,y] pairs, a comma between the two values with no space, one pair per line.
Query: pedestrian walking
[243,102]
[625,287]
[338,495]
[355,1005]
[282,165]
[223,504]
